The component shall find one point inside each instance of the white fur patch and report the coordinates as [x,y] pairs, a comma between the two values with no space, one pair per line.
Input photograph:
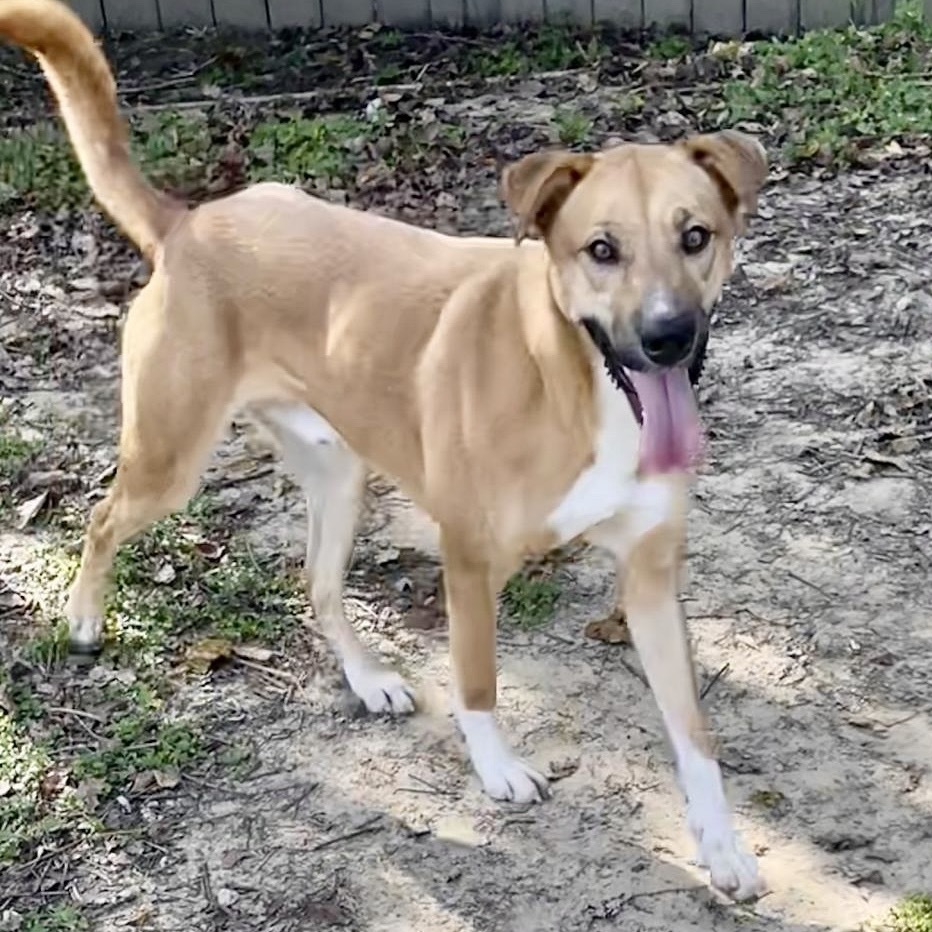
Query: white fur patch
[733,869]
[652,504]
[304,422]
[503,775]
[609,484]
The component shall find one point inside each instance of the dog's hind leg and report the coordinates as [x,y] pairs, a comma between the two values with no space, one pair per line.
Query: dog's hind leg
[333,479]
[173,410]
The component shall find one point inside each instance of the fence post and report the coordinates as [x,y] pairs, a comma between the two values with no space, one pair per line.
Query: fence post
[824,14]
[91,11]
[718,17]
[625,13]
[403,12]
[777,17]
[283,13]
[186,13]
[573,11]
[244,14]
[667,13]
[523,11]
[132,14]
[347,12]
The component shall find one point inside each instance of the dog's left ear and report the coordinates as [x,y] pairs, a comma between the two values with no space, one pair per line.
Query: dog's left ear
[536,187]
[737,162]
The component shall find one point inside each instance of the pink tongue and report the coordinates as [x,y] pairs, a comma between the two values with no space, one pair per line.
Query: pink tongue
[671,436]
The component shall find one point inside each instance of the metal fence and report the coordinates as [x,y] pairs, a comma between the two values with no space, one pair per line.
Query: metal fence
[724,17]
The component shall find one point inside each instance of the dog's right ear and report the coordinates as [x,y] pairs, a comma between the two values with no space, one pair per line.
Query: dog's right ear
[536,187]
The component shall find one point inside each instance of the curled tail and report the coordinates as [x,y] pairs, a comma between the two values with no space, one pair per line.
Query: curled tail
[83,84]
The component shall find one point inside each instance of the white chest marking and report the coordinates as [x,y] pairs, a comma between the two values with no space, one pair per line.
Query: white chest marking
[610,483]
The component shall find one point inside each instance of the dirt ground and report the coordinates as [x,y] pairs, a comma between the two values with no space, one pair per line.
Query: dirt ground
[807,597]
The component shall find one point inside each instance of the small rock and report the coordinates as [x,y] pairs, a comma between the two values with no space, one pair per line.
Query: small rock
[226,897]
[460,831]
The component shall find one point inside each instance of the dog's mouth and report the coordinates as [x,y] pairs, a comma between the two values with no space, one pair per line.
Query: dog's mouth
[662,402]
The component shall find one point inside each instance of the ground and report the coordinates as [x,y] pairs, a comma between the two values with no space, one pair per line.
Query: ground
[210,771]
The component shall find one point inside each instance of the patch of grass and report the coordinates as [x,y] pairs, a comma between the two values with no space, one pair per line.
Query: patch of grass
[293,148]
[58,765]
[573,127]
[32,804]
[550,48]
[56,919]
[831,93]
[182,577]
[38,164]
[530,600]
[16,454]
[173,147]
[913,914]
[138,739]
[669,48]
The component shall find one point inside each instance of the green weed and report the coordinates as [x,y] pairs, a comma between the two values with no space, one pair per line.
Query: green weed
[295,148]
[830,93]
[38,165]
[530,600]
[552,48]
[913,914]
[55,919]
[573,127]
[669,48]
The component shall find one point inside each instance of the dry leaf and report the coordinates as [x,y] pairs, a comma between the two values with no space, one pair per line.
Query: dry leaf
[143,781]
[164,574]
[88,791]
[98,311]
[253,652]
[52,783]
[207,654]
[166,779]
[29,509]
[611,630]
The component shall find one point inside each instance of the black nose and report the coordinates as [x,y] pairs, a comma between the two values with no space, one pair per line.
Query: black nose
[668,339]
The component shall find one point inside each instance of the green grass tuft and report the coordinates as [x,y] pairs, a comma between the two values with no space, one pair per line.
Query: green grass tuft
[913,914]
[530,601]
[836,91]
[296,148]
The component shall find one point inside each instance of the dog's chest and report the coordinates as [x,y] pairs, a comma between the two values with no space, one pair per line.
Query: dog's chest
[609,485]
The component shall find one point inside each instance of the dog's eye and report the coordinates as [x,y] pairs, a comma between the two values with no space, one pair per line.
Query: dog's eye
[695,239]
[603,251]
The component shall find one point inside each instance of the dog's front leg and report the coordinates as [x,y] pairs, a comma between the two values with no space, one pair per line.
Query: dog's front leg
[470,591]
[659,633]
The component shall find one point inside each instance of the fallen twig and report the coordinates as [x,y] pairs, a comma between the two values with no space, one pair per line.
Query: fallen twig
[366,828]
[715,678]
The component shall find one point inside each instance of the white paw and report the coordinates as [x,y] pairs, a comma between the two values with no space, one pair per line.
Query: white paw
[732,868]
[380,688]
[504,776]
[512,780]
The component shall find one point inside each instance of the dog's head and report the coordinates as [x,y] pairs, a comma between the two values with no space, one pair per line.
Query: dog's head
[640,237]
[640,240]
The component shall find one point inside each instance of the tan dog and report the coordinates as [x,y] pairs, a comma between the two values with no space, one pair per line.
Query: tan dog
[502,386]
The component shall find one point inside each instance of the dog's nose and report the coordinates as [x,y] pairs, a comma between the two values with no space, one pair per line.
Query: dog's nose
[668,339]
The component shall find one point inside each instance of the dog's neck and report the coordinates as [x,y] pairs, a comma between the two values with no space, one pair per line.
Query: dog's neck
[562,352]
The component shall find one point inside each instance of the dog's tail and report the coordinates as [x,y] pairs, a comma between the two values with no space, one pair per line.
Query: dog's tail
[83,84]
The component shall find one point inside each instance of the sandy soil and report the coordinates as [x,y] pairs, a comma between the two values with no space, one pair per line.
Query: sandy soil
[807,599]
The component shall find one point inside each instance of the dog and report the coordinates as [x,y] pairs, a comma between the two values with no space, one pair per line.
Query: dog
[524,393]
